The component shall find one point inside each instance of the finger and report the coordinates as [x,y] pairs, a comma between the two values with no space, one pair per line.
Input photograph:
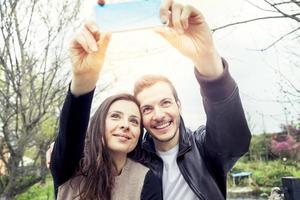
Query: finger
[176,17]
[90,40]
[168,34]
[103,43]
[93,28]
[188,13]
[164,10]
[78,44]
[185,15]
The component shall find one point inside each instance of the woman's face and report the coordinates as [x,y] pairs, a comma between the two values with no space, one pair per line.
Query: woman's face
[122,129]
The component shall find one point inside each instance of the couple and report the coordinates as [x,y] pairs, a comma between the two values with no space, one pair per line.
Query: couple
[101,161]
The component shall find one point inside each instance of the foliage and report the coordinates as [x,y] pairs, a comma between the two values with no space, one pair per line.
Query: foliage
[268,174]
[39,191]
[32,85]
[275,146]
[260,147]
[287,143]
[285,146]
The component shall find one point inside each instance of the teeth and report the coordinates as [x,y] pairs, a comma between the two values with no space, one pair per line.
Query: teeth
[163,125]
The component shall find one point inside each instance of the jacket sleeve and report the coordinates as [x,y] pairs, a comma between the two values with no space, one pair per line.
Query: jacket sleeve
[226,137]
[69,143]
[152,189]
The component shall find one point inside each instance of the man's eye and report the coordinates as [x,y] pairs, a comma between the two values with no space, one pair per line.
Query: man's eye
[146,110]
[166,103]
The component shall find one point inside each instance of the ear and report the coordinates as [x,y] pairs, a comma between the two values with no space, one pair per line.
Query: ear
[179,106]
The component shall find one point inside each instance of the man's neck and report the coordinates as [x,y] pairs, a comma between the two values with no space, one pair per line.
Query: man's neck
[167,145]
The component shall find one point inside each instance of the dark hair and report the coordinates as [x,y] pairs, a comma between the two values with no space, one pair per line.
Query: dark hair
[97,166]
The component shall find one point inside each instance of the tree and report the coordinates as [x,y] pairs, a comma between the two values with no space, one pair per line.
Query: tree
[32,53]
[289,11]
[276,9]
[260,148]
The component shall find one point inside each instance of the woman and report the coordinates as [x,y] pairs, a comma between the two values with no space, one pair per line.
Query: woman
[104,172]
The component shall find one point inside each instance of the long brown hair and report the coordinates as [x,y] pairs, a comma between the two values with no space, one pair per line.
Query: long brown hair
[97,167]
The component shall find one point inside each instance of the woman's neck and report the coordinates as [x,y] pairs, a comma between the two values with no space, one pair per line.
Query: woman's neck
[119,160]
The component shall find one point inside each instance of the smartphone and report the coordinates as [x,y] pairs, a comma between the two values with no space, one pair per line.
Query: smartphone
[127,16]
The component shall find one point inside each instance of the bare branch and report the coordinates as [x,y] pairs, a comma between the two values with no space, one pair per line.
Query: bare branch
[293,16]
[279,39]
[284,2]
[260,8]
[246,21]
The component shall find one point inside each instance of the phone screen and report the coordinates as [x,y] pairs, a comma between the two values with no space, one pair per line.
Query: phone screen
[128,16]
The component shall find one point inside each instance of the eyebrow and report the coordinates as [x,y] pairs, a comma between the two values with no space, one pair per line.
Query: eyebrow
[147,105]
[168,98]
[119,112]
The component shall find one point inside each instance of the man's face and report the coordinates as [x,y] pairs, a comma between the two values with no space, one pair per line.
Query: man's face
[161,113]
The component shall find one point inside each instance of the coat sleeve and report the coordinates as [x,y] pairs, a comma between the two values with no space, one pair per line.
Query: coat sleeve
[152,189]
[226,137]
[69,143]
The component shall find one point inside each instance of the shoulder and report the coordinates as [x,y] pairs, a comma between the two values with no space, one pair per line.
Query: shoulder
[70,189]
[199,133]
[136,167]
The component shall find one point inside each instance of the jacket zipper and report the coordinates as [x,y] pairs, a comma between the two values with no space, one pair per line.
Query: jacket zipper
[182,170]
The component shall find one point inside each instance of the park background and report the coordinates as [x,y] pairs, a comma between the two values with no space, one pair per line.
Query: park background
[259,39]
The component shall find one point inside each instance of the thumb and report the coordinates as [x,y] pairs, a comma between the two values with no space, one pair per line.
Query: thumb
[103,43]
[168,34]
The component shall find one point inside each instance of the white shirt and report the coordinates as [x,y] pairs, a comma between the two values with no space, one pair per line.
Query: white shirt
[174,185]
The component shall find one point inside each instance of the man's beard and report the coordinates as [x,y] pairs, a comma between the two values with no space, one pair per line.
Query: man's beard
[165,140]
[168,139]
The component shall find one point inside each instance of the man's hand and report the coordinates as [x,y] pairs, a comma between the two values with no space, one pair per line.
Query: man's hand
[87,50]
[189,33]
[48,155]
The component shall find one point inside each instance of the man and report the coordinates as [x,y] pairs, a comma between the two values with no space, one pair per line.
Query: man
[191,165]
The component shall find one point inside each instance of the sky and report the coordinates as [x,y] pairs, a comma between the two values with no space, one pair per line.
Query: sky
[257,73]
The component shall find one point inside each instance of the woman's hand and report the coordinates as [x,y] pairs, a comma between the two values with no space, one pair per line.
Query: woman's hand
[87,51]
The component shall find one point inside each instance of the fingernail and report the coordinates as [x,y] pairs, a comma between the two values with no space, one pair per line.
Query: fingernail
[164,20]
[94,47]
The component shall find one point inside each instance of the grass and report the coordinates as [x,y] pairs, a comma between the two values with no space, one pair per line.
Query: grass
[39,191]
[266,175]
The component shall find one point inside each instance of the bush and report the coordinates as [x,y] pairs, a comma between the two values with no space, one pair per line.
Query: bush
[268,174]
[39,191]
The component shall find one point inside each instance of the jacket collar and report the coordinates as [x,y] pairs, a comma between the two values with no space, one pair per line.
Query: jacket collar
[184,140]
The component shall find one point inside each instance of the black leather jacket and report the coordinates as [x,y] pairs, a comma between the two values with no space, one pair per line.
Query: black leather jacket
[207,154]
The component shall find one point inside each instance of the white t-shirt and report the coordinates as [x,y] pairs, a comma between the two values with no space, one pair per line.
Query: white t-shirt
[174,185]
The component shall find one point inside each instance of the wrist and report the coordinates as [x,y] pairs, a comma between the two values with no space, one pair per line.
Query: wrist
[83,84]
[209,65]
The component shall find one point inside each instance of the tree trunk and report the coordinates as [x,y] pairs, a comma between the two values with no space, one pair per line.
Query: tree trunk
[43,166]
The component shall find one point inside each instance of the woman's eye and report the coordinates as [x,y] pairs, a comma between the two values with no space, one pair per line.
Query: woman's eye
[115,116]
[134,121]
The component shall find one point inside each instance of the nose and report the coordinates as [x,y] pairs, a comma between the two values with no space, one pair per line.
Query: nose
[158,114]
[124,125]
